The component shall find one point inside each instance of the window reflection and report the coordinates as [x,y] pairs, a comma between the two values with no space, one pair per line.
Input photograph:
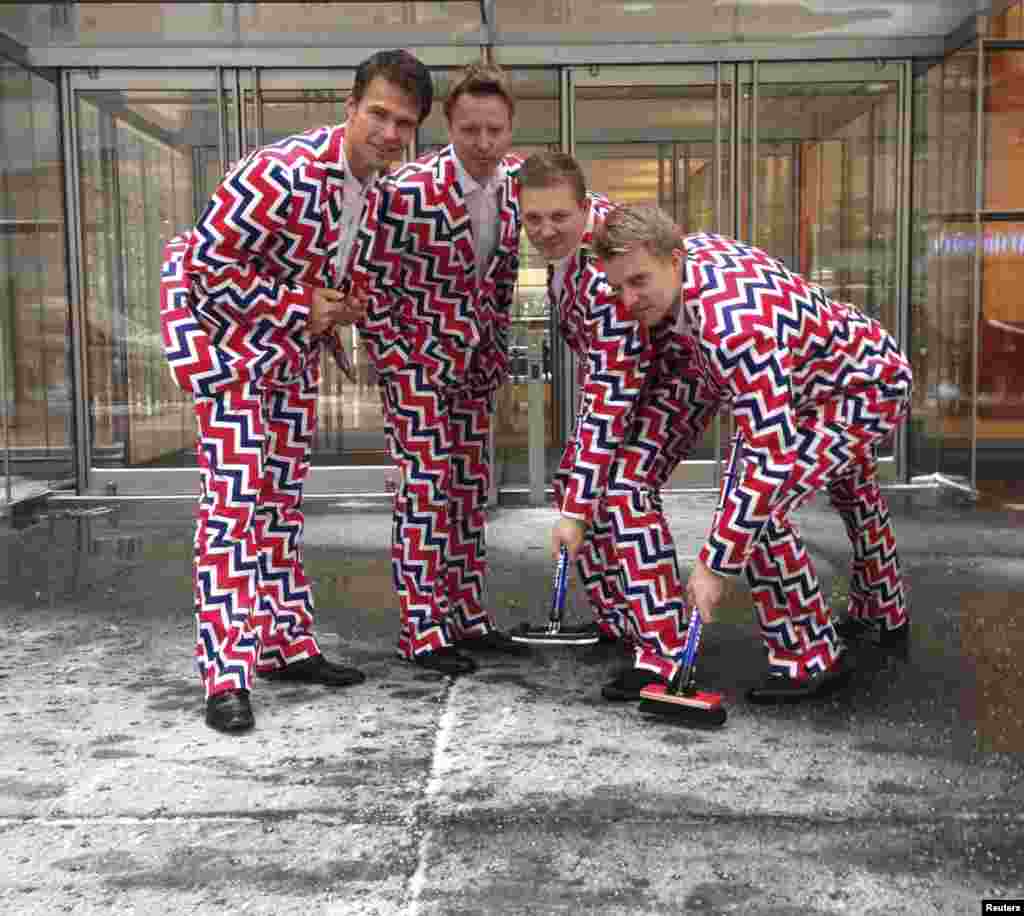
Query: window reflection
[148,162]
[36,397]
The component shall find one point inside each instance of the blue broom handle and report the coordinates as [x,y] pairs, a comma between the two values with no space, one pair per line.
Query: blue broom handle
[690,650]
[694,629]
[561,576]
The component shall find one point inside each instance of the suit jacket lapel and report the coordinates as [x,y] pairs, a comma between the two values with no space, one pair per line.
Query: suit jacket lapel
[332,204]
[456,212]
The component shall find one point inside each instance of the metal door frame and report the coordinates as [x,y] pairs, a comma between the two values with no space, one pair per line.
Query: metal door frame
[707,474]
[233,140]
[235,136]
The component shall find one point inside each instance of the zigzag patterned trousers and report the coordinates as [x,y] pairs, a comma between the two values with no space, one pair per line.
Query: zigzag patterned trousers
[254,605]
[628,564]
[440,440]
[840,457]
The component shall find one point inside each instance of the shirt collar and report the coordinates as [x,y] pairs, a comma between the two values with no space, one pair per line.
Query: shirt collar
[469,184]
[350,177]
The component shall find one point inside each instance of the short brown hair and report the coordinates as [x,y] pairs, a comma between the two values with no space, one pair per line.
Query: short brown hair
[403,69]
[542,170]
[630,225]
[481,79]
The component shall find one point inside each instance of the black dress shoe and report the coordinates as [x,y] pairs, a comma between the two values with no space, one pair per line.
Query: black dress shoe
[316,670]
[493,643]
[875,633]
[777,688]
[445,661]
[230,711]
[627,685]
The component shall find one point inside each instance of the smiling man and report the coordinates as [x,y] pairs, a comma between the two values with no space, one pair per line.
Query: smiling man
[641,410]
[247,299]
[440,250]
[814,386]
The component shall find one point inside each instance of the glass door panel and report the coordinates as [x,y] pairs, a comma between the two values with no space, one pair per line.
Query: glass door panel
[350,423]
[820,159]
[1000,345]
[1004,129]
[943,257]
[149,151]
[826,162]
[36,393]
[1000,390]
[662,136]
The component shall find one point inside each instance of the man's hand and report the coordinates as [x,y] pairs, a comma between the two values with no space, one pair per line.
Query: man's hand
[330,307]
[356,304]
[568,533]
[325,311]
[705,590]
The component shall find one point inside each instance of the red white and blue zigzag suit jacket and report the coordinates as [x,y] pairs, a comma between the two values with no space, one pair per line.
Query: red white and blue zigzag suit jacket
[620,360]
[236,290]
[786,357]
[428,309]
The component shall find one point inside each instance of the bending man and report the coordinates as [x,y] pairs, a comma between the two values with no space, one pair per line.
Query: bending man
[642,409]
[814,386]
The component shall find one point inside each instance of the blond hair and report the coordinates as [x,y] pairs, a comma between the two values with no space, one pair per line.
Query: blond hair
[549,168]
[481,78]
[630,225]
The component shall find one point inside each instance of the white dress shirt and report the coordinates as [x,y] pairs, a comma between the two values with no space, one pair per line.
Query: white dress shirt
[354,192]
[482,203]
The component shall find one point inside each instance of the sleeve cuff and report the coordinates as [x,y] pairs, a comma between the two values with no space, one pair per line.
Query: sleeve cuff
[572,508]
[714,561]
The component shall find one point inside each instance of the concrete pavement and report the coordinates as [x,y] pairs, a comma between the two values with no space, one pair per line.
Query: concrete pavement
[517,790]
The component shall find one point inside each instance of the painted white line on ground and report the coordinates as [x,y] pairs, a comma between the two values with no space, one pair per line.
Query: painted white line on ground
[442,741]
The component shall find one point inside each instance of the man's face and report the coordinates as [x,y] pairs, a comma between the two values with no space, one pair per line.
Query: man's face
[480,128]
[554,219]
[648,286]
[379,127]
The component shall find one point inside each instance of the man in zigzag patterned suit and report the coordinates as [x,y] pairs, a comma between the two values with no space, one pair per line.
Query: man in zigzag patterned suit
[247,299]
[643,407]
[440,249]
[814,386]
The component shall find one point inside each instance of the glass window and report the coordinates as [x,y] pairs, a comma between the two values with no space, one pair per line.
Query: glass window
[350,422]
[142,24]
[1009,23]
[149,159]
[1001,356]
[36,399]
[1004,130]
[824,170]
[655,143]
[943,249]
[827,161]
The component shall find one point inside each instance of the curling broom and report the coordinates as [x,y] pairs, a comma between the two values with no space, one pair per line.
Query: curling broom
[681,699]
[553,634]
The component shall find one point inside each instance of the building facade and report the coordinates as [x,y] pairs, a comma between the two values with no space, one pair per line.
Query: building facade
[875,148]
